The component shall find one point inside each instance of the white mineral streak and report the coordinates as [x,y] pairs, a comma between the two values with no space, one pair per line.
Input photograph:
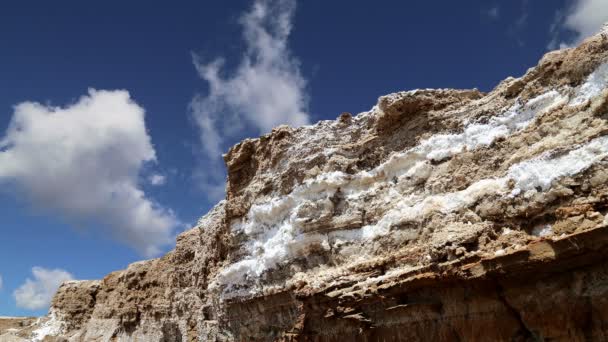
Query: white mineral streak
[596,82]
[275,226]
[275,230]
[541,172]
[52,327]
[542,230]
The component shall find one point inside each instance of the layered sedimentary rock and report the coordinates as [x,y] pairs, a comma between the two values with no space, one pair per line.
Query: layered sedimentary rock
[437,215]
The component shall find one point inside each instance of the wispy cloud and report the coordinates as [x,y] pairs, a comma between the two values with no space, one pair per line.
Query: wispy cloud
[519,25]
[265,90]
[83,162]
[37,293]
[493,12]
[157,179]
[581,19]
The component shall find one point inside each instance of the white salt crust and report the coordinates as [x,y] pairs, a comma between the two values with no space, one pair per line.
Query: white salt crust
[275,229]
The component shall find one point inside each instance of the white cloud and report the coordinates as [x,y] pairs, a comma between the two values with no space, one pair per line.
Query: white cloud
[522,21]
[37,294]
[157,179]
[265,90]
[583,18]
[83,162]
[493,13]
[517,28]
[1,283]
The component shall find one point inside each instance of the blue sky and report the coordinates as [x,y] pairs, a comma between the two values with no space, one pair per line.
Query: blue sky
[163,169]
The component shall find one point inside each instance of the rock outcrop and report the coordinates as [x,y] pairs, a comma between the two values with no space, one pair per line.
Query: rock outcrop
[438,215]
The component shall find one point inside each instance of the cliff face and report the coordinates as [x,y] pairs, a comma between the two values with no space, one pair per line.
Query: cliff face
[437,215]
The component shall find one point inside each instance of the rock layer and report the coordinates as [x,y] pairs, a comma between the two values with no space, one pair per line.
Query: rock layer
[437,215]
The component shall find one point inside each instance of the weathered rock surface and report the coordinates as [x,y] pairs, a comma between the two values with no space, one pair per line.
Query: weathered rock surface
[438,215]
[15,329]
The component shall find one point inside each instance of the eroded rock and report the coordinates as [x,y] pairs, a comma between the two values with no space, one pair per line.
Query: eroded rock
[437,215]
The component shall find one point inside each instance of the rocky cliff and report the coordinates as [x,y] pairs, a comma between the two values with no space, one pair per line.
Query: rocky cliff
[438,215]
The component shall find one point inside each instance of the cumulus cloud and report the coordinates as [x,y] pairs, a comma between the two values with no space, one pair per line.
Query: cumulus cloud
[265,90]
[581,19]
[37,293]
[83,163]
